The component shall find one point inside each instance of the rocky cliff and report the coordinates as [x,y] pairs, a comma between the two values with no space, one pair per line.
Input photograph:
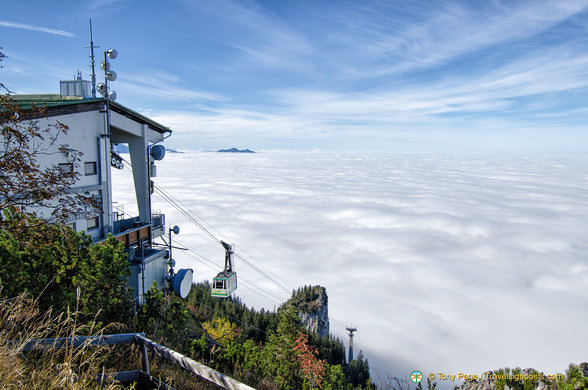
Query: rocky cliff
[313,309]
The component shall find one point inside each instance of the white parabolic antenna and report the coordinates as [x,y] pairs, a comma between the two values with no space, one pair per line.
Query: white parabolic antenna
[182,282]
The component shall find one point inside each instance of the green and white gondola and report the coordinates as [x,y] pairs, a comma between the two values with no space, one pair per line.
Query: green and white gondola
[225,283]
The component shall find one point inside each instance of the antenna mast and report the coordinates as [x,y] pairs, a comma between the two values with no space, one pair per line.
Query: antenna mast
[93,75]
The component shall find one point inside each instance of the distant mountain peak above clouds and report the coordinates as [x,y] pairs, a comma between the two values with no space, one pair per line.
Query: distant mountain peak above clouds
[235,150]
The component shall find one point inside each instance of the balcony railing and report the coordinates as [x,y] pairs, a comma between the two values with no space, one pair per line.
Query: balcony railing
[132,231]
[158,220]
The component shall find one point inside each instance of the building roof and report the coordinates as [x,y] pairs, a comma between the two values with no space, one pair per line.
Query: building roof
[63,105]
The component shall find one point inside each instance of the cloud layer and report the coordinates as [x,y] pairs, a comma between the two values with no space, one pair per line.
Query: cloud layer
[445,263]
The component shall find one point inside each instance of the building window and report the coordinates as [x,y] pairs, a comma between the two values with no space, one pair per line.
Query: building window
[90,168]
[66,167]
[92,223]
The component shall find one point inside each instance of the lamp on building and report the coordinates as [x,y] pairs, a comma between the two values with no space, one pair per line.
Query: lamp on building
[171,262]
[103,88]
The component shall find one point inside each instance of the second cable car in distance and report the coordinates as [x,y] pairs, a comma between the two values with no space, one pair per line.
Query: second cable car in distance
[225,283]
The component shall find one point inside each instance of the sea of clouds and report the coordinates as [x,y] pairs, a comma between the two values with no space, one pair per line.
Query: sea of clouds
[452,263]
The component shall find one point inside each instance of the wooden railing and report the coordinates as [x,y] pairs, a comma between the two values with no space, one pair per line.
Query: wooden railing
[134,236]
[146,345]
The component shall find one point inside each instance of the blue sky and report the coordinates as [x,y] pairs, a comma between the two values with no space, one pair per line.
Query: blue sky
[370,75]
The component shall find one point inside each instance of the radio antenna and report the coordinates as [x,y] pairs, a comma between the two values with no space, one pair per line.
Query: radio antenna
[93,75]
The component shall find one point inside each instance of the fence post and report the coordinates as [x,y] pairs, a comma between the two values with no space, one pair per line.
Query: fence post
[145,359]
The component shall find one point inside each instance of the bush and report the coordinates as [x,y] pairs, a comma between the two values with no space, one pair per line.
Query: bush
[20,322]
[51,262]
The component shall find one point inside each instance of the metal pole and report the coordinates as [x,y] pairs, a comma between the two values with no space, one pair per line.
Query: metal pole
[351,330]
[145,359]
[108,146]
[93,75]
[171,271]
[107,97]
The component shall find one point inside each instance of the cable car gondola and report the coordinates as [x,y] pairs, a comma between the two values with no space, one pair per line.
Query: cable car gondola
[225,283]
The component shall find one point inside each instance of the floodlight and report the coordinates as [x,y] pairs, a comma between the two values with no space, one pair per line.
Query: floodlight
[111,53]
[111,75]
[101,88]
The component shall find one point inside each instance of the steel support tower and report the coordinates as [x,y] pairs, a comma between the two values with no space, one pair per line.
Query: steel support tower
[351,330]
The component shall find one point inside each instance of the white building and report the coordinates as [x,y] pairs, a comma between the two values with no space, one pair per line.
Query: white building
[95,125]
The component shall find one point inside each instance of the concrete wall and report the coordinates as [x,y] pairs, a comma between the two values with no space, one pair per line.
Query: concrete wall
[83,135]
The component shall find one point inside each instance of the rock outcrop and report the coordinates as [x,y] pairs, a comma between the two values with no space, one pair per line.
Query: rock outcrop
[313,309]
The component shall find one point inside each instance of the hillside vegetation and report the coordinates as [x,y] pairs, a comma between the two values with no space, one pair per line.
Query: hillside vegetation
[61,270]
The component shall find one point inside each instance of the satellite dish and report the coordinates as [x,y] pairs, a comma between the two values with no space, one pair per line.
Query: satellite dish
[105,66]
[157,152]
[176,229]
[182,282]
[111,75]
[101,88]
[112,54]
[112,96]
[171,262]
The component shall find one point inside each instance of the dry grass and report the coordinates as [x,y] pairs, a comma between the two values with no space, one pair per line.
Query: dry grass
[64,368]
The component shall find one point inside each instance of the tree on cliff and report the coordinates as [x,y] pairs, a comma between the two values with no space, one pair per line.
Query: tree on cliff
[279,356]
[313,369]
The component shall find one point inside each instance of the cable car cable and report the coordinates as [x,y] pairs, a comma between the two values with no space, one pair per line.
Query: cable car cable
[190,215]
[264,274]
[242,251]
[186,212]
[178,206]
[183,210]
[268,295]
[278,300]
